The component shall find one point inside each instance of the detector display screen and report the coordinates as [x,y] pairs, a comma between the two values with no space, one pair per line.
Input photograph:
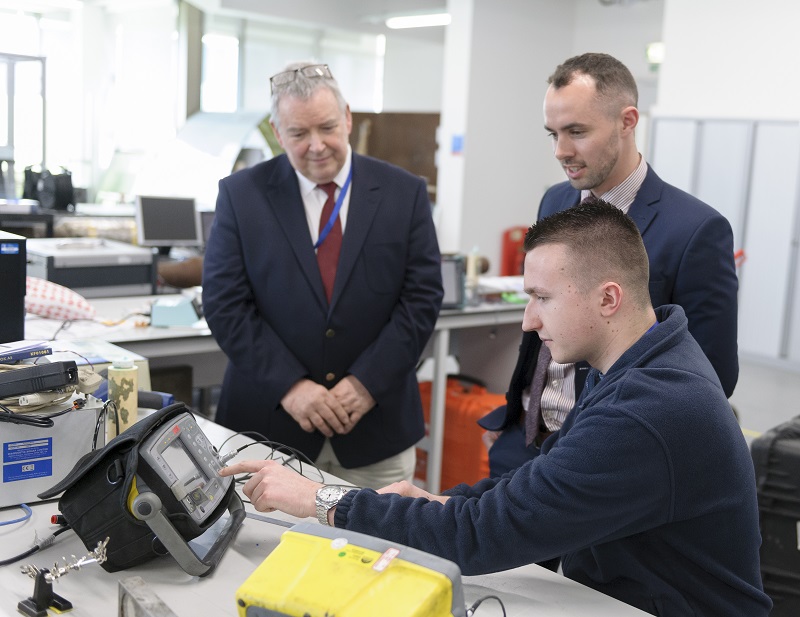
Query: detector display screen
[180,454]
[179,460]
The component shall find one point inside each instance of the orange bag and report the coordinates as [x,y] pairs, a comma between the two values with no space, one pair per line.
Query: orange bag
[464,457]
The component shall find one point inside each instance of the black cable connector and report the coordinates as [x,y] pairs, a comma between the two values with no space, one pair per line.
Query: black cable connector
[39,545]
[471,610]
[224,458]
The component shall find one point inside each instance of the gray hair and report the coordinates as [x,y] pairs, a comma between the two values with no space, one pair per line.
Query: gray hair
[303,88]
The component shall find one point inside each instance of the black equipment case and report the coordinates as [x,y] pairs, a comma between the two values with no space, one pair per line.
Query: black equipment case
[776,456]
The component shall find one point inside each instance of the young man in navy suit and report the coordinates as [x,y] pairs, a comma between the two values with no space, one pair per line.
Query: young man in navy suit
[322,284]
[590,114]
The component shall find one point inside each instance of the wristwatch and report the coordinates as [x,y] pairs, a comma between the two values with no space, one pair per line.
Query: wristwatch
[327,497]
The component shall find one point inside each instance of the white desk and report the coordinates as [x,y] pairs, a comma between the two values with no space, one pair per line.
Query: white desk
[194,346]
[163,347]
[483,316]
[530,590]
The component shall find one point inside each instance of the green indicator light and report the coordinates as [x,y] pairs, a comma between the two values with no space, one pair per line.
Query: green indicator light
[342,554]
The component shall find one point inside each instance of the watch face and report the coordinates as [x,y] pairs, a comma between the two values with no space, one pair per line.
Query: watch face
[330,493]
[327,498]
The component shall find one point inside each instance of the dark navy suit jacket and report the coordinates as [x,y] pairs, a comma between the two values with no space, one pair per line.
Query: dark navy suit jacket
[265,304]
[690,248]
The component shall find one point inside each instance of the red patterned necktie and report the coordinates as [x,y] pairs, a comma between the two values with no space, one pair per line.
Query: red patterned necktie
[533,415]
[328,251]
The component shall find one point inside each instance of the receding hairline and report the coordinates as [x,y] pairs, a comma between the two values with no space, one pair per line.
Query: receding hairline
[611,101]
[613,81]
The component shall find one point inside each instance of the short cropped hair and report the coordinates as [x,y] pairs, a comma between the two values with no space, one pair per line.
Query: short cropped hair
[604,245]
[614,82]
[303,88]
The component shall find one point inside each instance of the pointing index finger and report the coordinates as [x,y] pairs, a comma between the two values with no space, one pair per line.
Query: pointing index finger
[251,466]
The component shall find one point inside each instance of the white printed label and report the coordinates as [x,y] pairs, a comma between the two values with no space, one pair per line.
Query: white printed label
[385,559]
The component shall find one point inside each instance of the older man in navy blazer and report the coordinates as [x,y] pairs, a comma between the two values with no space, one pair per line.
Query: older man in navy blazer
[322,284]
[590,114]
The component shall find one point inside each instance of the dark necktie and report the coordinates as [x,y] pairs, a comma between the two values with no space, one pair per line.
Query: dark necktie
[328,251]
[533,415]
[590,199]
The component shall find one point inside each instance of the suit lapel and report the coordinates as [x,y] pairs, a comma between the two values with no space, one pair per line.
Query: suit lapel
[282,195]
[572,198]
[649,194]
[529,350]
[641,210]
[364,201]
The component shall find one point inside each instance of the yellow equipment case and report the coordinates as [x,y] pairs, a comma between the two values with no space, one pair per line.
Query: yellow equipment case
[319,571]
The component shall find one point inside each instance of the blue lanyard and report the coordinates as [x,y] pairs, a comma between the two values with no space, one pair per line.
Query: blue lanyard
[335,214]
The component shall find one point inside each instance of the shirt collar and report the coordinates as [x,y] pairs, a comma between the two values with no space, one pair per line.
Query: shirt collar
[306,185]
[623,194]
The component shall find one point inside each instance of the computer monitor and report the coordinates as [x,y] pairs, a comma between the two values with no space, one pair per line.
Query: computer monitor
[453,281]
[164,222]
[206,220]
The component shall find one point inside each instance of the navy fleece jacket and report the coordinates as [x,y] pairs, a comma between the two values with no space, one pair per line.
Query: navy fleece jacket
[647,493]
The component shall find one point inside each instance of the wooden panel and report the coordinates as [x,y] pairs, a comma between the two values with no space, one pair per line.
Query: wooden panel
[407,140]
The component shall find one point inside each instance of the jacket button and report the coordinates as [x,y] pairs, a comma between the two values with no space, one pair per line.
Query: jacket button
[330,377]
[330,333]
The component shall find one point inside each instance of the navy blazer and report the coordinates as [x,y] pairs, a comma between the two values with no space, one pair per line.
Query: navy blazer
[265,304]
[690,249]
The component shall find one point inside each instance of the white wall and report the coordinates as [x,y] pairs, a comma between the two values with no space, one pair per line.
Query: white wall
[453,125]
[624,31]
[413,72]
[509,161]
[731,59]
[509,50]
